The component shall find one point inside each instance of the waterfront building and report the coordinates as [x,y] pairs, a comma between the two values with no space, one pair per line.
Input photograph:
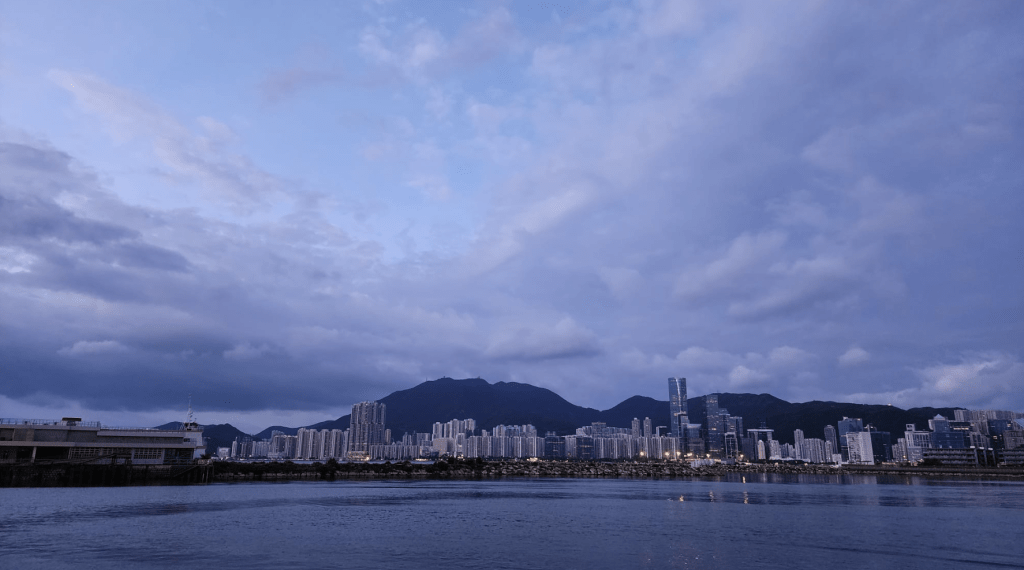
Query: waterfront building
[814,450]
[881,448]
[554,446]
[1014,438]
[798,443]
[1011,456]
[975,456]
[914,442]
[74,440]
[730,445]
[945,434]
[757,445]
[859,448]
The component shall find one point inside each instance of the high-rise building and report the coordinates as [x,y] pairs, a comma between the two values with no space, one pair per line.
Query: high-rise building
[832,440]
[944,435]
[678,416]
[712,426]
[757,445]
[881,447]
[798,443]
[366,428]
[859,449]
[846,426]
[730,445]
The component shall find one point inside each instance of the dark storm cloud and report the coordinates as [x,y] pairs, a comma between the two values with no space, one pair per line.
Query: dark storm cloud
[35,218]
[102,316]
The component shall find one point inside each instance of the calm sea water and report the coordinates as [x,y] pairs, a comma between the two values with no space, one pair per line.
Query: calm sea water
[756,522]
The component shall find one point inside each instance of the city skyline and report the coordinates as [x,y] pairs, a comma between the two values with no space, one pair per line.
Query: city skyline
[285,211]
[970,438]
[712,435]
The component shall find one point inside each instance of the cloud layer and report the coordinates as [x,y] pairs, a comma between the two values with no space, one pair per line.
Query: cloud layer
[821,201]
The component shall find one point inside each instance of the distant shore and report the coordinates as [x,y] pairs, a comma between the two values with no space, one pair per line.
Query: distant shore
[51,475]
[475,469]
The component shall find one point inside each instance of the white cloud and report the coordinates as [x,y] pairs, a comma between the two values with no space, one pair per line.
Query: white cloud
[745,254]
[743,378]
[564,340]
[664,17]
[223,175]
[855,355]
[621,281]
[982,380]
[246,351]
[700,358]
[788,357]
[86,347]
[16,260]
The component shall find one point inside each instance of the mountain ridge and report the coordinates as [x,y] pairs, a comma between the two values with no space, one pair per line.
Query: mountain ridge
[513,403]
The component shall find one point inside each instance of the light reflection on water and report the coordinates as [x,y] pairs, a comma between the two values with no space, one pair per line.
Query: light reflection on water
[760,520]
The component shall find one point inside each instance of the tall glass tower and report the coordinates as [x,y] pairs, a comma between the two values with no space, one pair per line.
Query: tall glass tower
[677,407]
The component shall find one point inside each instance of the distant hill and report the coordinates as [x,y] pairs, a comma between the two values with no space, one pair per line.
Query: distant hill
[812,417]
[639,407]
[514,403]
[219,435]
[510,403]
[265,434]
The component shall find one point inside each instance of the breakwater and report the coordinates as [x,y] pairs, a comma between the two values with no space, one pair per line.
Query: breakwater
[72,475]
[478,469]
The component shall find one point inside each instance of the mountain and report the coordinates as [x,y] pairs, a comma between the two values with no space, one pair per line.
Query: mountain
[812,417]
[221,435]
[265,434]
[510,403]
[514,403]
[218,435]
[639,407]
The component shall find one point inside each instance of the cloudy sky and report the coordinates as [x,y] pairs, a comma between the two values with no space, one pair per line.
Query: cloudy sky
[282,209]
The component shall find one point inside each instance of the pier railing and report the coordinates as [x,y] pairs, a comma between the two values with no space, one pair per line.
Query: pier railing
[74,423]
[24,422]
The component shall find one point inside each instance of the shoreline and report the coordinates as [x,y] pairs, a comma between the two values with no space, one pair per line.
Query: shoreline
[478,470]
[230,472]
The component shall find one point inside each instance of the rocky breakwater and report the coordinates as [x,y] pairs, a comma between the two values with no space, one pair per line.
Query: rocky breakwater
[480,469]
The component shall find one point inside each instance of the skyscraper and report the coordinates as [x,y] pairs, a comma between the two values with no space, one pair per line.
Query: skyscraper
[713,426]
[832,440]
[678,416]
[367,428]
[846,426]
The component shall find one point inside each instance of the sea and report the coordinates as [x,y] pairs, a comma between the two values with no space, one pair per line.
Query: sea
[739,521]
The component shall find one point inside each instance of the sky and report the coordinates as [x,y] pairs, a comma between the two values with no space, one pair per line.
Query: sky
[282,209]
